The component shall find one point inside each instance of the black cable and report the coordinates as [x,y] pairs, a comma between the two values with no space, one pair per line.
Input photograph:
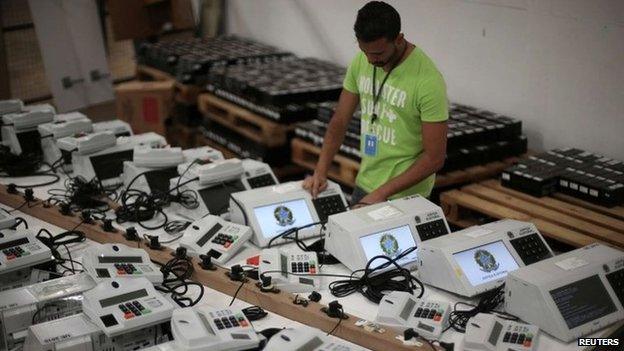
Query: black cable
[181,269]
[243,281]
[254,313]
[55,177]
[63,239]
[340,318]
[174,227]
[18,221]
[375,281]
[245,219]
[489,301]
[295,230]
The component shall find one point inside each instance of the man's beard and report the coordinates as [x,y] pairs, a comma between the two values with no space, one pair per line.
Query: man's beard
[392,58]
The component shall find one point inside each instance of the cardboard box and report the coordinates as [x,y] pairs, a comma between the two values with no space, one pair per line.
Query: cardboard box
[145,105]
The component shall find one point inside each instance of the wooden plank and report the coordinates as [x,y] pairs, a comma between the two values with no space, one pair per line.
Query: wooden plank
[244,122]
[473,174]
[280,303]
[617,211]
[342,169]
[153,73]
[562,206]
[537,211]
[551,230]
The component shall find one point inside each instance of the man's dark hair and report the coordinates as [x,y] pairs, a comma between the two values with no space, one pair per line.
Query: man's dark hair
[377,20]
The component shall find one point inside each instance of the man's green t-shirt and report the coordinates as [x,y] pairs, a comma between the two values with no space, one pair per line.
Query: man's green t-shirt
[413,93]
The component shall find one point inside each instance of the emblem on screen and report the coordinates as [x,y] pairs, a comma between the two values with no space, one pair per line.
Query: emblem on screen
[283,215]
[389,245]
[486,261]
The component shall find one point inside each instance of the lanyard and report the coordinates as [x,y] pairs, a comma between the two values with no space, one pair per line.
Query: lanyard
[383,82]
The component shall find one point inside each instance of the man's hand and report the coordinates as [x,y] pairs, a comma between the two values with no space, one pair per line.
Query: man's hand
[370,199]
[315,183]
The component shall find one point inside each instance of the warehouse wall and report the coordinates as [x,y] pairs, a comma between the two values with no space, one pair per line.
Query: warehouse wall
[556,64]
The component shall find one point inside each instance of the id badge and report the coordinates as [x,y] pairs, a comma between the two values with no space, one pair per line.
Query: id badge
[370,145]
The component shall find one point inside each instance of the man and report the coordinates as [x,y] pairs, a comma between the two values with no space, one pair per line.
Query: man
[404,107]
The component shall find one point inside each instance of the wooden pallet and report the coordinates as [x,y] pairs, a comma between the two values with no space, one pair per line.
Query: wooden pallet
[244,122]
[574,223]
[184,93]
[343,169]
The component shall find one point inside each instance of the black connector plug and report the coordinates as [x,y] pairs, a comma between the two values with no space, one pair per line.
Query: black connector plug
[29,195]
[131,234]
[236,273]
[180,252]
[12,189]
[410,333]
[86,217]
[314,296]
[335,310]
[65,208]
[154,243]
[206,263]
[107,225]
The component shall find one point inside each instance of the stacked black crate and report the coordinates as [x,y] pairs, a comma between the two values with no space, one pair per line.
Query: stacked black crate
[572,171]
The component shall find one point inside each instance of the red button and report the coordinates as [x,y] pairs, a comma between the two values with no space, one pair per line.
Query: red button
[312,271]
[527,343]
[121,272]
[128,315]
[10,257]
[437,318]
[243,323]
[227,244]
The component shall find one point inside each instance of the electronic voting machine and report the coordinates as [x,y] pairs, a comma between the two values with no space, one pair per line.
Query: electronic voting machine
[304,339]
[20,249]
[401,310]
[290,271]
[272,210]
[215,237]
[570,295]
[94,156]
[19,130]
[152,168]
[217,179]
[122,305]
[202,328]
[106,261]
[388,228]
[487,332]
[64,125]
[477,259]
[22,307]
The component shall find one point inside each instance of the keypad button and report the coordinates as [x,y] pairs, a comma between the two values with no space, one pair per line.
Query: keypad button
[507,337]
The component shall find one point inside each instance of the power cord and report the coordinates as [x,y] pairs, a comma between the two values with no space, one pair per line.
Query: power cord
[63,239]
[176,274]
[375,281]
[489,301]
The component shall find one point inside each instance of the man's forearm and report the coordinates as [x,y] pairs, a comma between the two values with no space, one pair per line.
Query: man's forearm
[334,137]
[425,166]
